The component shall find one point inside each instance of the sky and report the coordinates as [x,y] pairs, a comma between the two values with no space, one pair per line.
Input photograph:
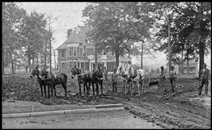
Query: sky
[68,15]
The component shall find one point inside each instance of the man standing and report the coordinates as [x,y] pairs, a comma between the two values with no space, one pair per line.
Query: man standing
[162,79]
[114,80]
[204,76]
[172,78]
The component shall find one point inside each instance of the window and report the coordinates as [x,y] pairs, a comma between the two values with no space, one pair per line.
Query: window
[75,51]
[70,51]
[63,66]
[62,53]
[81,52]
[84,52]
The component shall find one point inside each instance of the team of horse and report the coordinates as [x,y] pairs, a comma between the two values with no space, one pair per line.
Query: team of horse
[132,79]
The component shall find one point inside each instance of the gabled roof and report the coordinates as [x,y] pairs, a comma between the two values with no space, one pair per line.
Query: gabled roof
[74,37]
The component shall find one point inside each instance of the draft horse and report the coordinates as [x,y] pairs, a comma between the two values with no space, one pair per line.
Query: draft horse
[36,73]
[131,78]
[97,79]
[52,79]
[83,78]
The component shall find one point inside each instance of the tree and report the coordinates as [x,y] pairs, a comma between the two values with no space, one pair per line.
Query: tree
[115,26]
[192,25]
[35,34]
[11,18]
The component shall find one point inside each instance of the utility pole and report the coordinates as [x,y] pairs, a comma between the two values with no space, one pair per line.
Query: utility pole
[55,66]
[142,49]
[45,52]
[50,47]
[84,58]
[96,56]
[169,42]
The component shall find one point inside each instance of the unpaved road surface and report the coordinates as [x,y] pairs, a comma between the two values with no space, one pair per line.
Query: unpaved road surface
[106,119]
[183,109]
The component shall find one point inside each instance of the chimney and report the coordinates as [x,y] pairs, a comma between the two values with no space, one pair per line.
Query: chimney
[69,32]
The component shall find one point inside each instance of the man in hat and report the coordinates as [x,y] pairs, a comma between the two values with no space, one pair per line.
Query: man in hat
[204,77]
[114,80]
[172,77]
[162,78]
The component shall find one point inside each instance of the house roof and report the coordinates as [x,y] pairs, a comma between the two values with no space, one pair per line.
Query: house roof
[74,37]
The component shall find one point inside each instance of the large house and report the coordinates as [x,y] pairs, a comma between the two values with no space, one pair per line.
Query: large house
[72,51]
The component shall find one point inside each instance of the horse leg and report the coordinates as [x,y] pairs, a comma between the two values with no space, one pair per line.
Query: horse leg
[113,87]
[138,87]
[54,90]
[132,87]
[88,88]
[48,86]
[79,88]
[84,86]
[100,86]
[41,88]
[93,88]
[44,87]
[65,88]
[97,89]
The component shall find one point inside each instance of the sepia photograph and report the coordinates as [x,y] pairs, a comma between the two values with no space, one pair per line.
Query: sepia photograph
[106,65]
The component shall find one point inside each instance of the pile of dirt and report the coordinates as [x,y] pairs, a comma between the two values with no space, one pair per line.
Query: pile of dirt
[16,88]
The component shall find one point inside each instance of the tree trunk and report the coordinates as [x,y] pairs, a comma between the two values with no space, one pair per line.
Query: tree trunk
[45,55]
[187,66]
[33,62]
[96,63]
[181,65]
[37,60]
[201,56]
[29,62]
[117,58]
[142,49]
[12,64]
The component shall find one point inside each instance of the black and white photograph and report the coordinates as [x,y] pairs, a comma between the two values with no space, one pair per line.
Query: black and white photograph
[106,65]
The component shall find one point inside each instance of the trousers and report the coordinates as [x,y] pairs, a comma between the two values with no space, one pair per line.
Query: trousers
[202,83]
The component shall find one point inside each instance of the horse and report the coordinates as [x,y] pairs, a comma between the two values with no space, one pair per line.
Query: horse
[52,79]
[97,79]
[36,72]
[83,78]
[121,70]
[132,78]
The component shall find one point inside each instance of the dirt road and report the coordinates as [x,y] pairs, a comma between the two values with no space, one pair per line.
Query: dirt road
[107,119]
[184,109]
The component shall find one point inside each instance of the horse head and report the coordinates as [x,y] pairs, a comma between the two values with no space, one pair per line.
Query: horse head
[35,72]
[75,71]
[121,70]
[130,71]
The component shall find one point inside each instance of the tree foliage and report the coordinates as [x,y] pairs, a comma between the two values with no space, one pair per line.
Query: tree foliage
[24,35]
[116,26]
[190,29]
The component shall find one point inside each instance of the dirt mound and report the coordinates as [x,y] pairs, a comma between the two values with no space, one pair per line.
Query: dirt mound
[27,89]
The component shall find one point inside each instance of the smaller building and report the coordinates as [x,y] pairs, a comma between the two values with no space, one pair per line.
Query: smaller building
[193,67]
